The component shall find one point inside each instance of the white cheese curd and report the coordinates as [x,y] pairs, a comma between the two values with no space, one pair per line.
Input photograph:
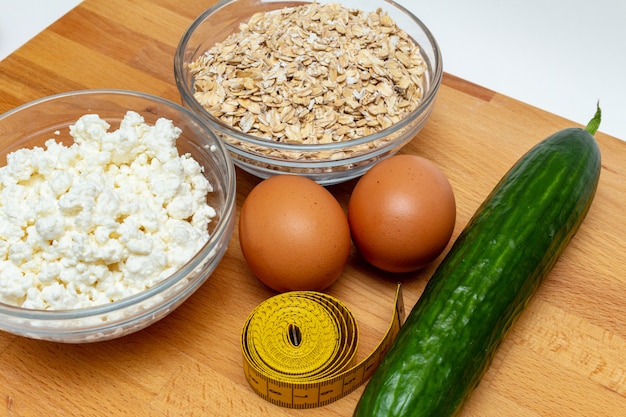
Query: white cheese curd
[105,218]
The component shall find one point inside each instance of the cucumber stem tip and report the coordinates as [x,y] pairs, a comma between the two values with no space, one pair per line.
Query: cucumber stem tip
[594,124]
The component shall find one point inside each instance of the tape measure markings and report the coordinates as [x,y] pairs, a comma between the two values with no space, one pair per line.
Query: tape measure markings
[320,368]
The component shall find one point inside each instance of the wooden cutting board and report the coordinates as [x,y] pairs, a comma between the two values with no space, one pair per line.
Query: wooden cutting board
[565,357]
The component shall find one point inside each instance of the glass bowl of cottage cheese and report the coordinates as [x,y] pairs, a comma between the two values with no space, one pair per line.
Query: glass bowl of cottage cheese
[115,207]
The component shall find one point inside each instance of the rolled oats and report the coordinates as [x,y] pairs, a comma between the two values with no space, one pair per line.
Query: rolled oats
[317,73]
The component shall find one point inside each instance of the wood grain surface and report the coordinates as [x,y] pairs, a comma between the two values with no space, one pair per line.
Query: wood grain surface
[566,356]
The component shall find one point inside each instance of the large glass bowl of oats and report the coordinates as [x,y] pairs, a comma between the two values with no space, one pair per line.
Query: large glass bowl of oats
[323,89]
[115,207]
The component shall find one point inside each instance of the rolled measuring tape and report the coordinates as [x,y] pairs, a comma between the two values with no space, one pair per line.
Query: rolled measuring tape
[299,349]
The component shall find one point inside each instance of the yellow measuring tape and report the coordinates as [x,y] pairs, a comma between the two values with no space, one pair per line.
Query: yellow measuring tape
[299,349]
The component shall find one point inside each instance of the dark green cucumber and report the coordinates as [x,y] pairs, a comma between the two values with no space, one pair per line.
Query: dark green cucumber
[486,280]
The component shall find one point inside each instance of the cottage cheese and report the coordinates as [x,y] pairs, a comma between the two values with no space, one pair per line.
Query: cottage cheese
[107,217]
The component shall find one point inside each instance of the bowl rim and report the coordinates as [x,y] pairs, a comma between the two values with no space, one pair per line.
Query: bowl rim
[186,91]
[196,261]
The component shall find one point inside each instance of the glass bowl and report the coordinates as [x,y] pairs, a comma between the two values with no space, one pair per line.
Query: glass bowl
[326,163]
[33,123]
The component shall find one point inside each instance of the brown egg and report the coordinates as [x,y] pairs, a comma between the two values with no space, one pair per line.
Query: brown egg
[294,234]
[402,213]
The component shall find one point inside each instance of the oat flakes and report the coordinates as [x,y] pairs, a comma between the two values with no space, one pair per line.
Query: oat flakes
[312,74]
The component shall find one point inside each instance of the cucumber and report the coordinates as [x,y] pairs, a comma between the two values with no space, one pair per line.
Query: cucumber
[487,278]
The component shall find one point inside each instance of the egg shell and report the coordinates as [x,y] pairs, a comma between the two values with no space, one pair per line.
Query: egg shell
[294,234]
[402,213]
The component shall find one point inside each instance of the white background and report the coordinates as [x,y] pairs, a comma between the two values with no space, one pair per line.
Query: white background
[559,55]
